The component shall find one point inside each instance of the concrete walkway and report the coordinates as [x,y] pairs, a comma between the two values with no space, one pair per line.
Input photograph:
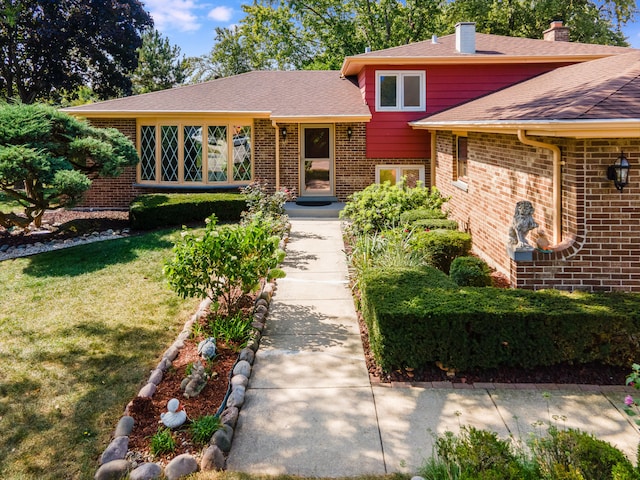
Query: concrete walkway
[311,409]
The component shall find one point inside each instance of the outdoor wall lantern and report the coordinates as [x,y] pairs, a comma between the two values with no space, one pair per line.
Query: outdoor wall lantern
[349,132]
[619,172]
[283,133]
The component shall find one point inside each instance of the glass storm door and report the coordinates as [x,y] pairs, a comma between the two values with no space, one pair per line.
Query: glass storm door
[317,160]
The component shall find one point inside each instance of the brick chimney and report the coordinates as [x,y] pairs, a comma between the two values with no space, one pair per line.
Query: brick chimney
[466,37]
[556,32]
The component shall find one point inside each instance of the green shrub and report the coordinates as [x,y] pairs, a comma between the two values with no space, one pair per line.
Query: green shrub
[379,206]
[226,262]
[434,224]
[415,320]
[470,272]
[411,216]
[234,330]
[574,454]
[161,210]
[441,247]
[203,428]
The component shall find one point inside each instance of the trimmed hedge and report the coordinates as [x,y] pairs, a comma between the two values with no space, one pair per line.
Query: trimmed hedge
[441,247]
[415,322]
[411,216]
[167,209]
[435,224]
[470,272]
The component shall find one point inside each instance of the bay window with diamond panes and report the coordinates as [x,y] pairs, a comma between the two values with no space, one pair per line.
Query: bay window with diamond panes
[193,153]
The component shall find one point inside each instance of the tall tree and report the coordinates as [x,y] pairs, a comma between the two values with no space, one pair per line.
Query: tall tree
[159,64]
[48,159]
[53,45]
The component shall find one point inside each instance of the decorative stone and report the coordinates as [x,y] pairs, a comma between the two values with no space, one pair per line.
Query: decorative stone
[124,427]
[195,382]
[248,355]
[223,438]
[175,416]
[261,309]
[258,317]
[148,390]
[116,450]
[164,364]
[171,353]
[257,325]
[261,301]
[181,466]
[239,380]
[115,470]
[229,416]
[236,397]
[253,344]
[212,459]
[207,348]
[156,376]
[242,368]
[146,471]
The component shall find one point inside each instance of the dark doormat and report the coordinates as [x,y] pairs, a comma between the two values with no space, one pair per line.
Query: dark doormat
[313,203]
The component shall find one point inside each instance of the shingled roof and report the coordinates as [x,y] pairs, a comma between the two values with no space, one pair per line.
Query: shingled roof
[489,48]
[605,90]
[278,95]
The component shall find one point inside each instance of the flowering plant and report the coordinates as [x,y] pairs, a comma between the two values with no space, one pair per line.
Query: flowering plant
[631,407]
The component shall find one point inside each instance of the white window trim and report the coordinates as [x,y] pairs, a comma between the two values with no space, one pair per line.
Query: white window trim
[399,169]
[400,90]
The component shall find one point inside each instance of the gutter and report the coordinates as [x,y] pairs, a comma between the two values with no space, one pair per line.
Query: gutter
[557,181]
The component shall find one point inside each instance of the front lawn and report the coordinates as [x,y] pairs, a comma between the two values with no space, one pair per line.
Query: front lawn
[80,329]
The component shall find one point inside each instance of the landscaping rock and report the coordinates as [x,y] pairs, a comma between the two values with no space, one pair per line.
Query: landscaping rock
[124,427]
[248,355]
[171,353]
[156,376]
[229,416]
[114,470]
[223,438]
[212,459]
[261,309]
[146,471]
[239,380]
[261,301]
[242,368]
[253,344]
[181,466]
[148,390]
[236,398]
[116,450]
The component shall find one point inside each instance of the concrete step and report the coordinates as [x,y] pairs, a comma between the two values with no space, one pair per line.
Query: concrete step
[324,211]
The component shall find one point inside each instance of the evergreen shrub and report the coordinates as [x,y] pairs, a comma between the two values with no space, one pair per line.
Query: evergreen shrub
[470,272]
[168,209]
[441,247]
[411,216]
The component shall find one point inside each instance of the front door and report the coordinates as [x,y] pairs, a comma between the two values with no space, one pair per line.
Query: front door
[317,161]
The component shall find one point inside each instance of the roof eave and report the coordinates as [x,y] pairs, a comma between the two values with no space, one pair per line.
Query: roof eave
[609,128]
[163,113]
[353,65]
[346,118]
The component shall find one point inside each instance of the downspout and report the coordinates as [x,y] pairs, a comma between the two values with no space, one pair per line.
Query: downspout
[557,181]
[434,153]
[277,138]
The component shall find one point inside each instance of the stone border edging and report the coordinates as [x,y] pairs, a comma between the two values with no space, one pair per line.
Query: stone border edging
[113,459]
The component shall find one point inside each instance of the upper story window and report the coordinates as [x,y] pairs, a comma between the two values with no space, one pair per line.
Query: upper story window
[195,153]
[400,91]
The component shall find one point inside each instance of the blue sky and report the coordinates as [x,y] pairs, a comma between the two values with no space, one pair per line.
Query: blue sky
[190,24]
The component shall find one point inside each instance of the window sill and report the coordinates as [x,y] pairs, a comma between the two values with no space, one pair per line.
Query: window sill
[460,185]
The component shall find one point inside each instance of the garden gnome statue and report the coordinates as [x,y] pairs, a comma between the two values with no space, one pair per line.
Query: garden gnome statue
[521,225]
[175,416]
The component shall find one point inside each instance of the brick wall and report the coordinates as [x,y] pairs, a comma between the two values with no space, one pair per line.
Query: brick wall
[264,152]
[600,248]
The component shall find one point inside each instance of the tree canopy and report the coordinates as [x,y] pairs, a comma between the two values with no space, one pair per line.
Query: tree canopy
[318,34]
[159,64]
[48,158]
[52,46]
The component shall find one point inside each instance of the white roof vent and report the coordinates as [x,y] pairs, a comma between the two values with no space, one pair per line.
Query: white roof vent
[466,37]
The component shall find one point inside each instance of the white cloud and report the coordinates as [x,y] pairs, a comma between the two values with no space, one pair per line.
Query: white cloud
[171,15]
[221,14]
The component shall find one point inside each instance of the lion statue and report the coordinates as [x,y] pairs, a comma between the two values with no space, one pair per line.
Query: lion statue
[521,225]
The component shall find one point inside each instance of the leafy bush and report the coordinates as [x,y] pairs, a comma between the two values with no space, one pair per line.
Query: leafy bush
[233,330]
[574,454]
[227,262]
[441,247]
[434,224]
[416,319]
[411,216]
[162,442]
[379,206]
[203,428]
[268,207]
[470,272]
[161,210]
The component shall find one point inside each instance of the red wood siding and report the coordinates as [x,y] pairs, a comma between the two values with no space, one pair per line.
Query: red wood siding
[388,133]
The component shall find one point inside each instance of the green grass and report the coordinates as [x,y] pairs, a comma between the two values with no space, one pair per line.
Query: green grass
[8,205]
[80,329]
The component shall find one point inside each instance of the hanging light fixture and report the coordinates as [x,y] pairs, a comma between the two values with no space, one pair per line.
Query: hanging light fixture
[619,172]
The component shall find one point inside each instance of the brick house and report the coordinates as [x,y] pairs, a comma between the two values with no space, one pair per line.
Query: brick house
[550,140]
[330,133]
